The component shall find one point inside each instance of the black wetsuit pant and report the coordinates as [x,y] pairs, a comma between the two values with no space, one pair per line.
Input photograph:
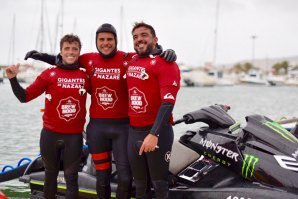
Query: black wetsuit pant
[151,166]
[104,137]
[51,146]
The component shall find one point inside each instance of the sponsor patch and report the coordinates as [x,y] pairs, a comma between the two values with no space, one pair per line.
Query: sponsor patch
[137,100]
[68,108]
[168,96]
[168,156]
[287,162]
[249,165]
[106,97]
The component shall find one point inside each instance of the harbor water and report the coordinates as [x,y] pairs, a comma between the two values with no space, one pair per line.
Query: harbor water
[21,123]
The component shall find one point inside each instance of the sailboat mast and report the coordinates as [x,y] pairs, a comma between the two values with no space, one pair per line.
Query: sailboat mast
[41,27]
[121,27]
[215,33]
[59,25]
[12,42]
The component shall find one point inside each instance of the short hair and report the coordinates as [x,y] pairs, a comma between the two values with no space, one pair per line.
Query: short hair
[143,24]
[70,38]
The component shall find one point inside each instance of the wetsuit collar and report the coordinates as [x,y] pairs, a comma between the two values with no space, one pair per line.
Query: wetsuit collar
[66,66]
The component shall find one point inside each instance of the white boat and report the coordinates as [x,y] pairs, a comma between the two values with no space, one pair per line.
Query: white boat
[200,78]
[220,78]
[184,74]
[254,77]
[292,79]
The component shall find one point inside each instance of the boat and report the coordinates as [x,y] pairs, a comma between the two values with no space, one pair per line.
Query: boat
[254,77]
[292,78]
[220,78]
[199,78]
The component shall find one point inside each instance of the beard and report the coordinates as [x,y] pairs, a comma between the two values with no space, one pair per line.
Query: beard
[145,52]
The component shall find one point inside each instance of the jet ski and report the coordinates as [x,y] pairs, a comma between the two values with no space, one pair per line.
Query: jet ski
[219,160]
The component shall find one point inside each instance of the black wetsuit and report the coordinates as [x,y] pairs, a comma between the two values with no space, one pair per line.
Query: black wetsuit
[105,136]
[60,138]
[51,146]
[157,161]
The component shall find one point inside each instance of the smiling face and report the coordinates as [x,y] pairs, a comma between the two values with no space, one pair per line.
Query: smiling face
[70,52]
[144,41]
[106,42]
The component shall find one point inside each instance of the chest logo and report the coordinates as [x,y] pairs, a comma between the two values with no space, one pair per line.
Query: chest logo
[137,100]
[106,98]
[68,108]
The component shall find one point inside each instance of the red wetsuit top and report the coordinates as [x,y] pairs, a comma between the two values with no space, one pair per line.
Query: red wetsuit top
[151,81]
[65,106]
[109,97]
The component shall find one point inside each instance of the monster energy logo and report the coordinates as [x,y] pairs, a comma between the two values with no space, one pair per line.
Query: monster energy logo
[282,131]
[249,165]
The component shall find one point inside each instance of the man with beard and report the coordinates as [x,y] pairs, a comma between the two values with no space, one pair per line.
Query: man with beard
[153,85]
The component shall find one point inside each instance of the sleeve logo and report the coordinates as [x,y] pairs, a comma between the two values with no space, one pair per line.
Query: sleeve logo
[168,96]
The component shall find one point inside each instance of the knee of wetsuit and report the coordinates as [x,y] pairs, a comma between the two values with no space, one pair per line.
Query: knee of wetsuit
[125,184]
[161,189]
[124,178]
[72,176]
[71,181]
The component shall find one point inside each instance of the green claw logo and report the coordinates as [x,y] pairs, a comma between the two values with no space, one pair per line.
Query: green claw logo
[249,165]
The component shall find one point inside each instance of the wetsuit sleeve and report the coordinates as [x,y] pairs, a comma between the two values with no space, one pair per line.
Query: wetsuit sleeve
[50,59]
[162,118]
[18,90]
[169,81]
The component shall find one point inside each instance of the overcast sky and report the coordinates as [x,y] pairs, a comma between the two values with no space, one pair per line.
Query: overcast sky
[187,26]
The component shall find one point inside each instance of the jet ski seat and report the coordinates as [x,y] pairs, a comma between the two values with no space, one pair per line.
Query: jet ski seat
[181,157]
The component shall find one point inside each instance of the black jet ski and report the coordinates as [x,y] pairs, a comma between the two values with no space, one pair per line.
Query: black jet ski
[220,160]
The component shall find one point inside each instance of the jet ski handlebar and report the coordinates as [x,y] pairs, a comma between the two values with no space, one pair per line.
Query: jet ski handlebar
[179,121]
[215,115]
